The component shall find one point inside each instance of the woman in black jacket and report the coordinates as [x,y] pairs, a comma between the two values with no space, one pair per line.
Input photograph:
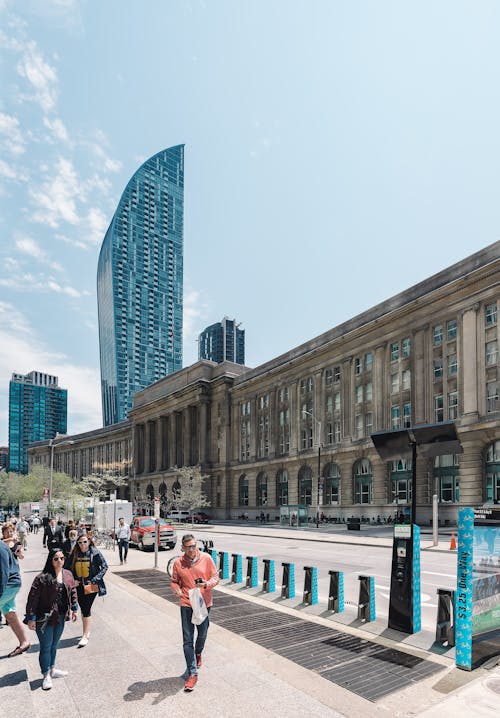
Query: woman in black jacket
[51,601]
[88,566]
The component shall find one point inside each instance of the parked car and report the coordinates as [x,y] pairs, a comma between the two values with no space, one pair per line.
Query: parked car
[199,517]
[179,516]
[142,533]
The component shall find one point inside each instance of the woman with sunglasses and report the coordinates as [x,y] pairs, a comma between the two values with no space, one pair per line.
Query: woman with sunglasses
[88,567]
[51,602]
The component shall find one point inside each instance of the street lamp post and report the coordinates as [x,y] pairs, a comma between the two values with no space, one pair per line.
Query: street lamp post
[51,444]
[318,492]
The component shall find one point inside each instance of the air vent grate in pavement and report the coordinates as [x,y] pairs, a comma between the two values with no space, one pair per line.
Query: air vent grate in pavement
[361,666]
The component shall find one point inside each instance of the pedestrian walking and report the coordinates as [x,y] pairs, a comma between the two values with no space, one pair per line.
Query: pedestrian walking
[36,524]
[193,570]
[53,536]
[22,529]
[51,602]
[10,584]
[123,538]
[69,544]
[88,567]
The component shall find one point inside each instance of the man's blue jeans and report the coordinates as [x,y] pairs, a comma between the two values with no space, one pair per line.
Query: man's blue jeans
[49,641]
[192,649]
[123,549]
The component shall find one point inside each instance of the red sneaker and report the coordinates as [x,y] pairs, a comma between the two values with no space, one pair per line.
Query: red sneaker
[199,662]
[190,683]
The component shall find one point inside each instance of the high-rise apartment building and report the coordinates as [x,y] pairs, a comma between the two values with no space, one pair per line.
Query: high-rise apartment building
[223,341]
[38,410]
[139,284]
[4,457]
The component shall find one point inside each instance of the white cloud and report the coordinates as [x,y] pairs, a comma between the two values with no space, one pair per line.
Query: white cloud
[96,223]
[28,282]
[70,291]
[194,310]
[22,350]
[58,129]
[28,246]
[12,173]
[105,161]
[56,198]
[14,141]
[41,76]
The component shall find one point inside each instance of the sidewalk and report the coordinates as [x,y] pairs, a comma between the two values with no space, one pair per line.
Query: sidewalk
[134,659]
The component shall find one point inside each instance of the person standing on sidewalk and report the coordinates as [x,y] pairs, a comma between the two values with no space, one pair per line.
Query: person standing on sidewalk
[22,531]
[193,570]
[123,538]
[51,602]
[88,567]
[10,584]
[53,536]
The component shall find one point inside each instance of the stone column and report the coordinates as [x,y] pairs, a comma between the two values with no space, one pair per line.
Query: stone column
[346,493]
[203,431]
[421,370]
[472,471]
[347,399]
[379,388]
[472,365]
[380,481]
[159,443]
[186,430]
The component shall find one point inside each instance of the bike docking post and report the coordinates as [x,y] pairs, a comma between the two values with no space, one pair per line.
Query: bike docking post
[208,544]
[223,564]
[252,577]
[310,595]
[336,592]
[213,554]
[237,572]
[366,603]
[288,583]
[445,622]
[269,580]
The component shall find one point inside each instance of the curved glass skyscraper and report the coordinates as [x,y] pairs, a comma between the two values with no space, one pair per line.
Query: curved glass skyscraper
[139,284]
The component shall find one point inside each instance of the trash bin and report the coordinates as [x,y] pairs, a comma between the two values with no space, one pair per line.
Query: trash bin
[354,523]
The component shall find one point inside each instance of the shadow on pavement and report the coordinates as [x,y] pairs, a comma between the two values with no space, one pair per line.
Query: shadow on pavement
[13,679]
[165,687]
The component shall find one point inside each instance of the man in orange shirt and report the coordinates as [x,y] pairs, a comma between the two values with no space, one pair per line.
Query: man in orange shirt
[193,570]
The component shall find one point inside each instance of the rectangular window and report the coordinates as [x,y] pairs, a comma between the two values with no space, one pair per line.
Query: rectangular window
[452,405]
[491,396]
[407,414]
[491,353]
[368,391]
[368,361]
[438,409]
[358,365]
[329,432]
[283,395]
[359,394]
[336,401]
[438,369]
[406,377]
[329,377]
[406,347]
[490,314]
[336,374]
[395,417]
[368,423]
[329,404]
[437,335]
[394,351]
[451,329]
[359,426]
[336,432]
[452,365]
[394,383]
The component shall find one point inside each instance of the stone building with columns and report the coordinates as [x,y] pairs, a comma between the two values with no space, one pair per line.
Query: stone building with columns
[427,355]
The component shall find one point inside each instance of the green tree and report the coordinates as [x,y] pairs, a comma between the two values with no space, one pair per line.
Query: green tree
[191,494]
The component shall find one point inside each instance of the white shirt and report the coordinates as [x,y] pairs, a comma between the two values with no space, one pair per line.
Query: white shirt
[123,532]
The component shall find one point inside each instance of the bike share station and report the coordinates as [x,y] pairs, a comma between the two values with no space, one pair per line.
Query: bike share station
[426,441]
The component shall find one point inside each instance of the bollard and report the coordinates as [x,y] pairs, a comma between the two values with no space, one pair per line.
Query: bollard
[237,572]
[336,592]
[269,580]
[223,564]
[252,578]
[288,584]
[310,594]
[366,603]
[445,622]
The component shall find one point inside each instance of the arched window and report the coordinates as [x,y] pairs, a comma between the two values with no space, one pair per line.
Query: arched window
[305,485]
[363,481]
[331,492]
[282,487]
[447,475]
[401,481]
[492,472]
[176,490]
[262,489]
[163,491]
[150,492]
[243,490]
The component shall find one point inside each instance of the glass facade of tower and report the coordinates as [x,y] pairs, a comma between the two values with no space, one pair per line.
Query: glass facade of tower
[38,410]
[223,341]
[140,284]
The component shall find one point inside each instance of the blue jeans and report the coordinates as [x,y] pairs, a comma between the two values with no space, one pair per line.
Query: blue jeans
[122,549]
[192,649]
[49,641]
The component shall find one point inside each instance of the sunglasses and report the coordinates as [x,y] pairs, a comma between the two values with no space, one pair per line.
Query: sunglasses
[190,547]
[83,541]
[58,558]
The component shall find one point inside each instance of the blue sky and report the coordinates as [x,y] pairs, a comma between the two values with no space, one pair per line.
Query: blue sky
[336,154]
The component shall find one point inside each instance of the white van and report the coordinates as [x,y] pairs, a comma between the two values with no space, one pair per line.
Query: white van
[178,516]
